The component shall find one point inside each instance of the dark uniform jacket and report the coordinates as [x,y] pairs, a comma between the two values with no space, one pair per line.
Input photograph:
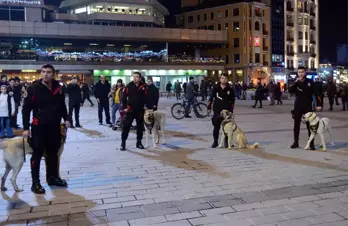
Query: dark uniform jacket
[48,106]
[222,99]
[85,90]
[152,96]
[102,91]
[74,92]
[17,93]
[134,97]
[304,92]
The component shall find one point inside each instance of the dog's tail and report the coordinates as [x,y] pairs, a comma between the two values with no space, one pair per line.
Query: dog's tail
[254,146]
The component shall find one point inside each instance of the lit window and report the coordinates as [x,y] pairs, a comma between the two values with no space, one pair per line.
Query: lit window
[81,10]
[257,41]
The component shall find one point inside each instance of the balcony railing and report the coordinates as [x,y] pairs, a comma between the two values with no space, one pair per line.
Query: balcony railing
[290,24]
[289,9]
[290,39]
[312,27]
[313,42]
[290,53]
[313,55]
[265,48]
[264,32]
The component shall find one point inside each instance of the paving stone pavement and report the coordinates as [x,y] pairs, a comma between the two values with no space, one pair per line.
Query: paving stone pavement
[186,182]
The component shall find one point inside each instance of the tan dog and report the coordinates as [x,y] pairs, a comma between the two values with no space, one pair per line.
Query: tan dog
[234,134]
[155,123]
[15,150]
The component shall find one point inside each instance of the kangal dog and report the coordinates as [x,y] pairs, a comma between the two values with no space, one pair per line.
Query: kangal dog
[234,134]
[15,150]
[155,122]
[317,126]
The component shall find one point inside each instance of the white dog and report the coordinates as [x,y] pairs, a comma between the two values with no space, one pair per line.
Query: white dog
[15,150]
[234,134]
[317,126]
[155,122]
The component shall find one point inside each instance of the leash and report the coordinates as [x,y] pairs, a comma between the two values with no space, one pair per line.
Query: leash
[24,150]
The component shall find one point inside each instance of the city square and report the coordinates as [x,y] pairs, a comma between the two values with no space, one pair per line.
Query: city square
[186,182]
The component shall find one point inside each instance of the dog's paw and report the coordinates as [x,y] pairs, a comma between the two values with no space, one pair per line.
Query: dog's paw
[230,148]
[220,146]
[19,190]
[163,142]
[156,147]
[323,150]
[3,189]
[307,148]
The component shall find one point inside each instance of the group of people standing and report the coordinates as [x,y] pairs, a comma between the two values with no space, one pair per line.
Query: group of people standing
[10,100]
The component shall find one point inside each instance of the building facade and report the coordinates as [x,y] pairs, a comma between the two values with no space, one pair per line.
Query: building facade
[302,34]
[248,52]
[342,55]
[278,69]
[100,44]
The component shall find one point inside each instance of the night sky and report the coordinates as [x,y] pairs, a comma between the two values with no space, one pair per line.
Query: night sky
[333,24]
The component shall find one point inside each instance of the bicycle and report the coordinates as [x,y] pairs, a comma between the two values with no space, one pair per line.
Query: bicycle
[200,109]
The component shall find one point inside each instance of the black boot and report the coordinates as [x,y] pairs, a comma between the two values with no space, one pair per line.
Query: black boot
[140,145]
[226,142]
[123,146]
[295,144]
[312,146]
[55,181]
[215,144]
[37,188]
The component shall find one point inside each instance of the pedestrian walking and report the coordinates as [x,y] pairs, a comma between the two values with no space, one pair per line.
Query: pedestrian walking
[259,94]
[343,92]
[191,93]
[101,92]
[331,92]
[278,94]
[47,102]
[304,90]
[203,90]
[134,100]
[7,109]
[16,90]
[75,96]
[271,92]
[86,95]
[116,95]
[168,89]
[177,88]
[152,97]
[222,98]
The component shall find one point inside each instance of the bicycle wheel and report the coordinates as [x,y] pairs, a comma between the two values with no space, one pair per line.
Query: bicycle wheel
[178,111]
[201,110]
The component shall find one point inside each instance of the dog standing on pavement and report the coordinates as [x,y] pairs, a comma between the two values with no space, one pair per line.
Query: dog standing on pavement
[317,126]
[233,132]
[155,122]
[15,150]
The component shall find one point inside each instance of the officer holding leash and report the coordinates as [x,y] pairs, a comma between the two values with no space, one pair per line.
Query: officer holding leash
[222,98]
[304,91]
[47,102]
[134,100]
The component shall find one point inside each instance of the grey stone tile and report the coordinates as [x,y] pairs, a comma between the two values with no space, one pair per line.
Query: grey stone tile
[208,220]
[193,207]
[267,219]
[147,221]
[162,211]
[218,211]
[242,215]
[327,218]
[181,216]
[175,223]
[112,217]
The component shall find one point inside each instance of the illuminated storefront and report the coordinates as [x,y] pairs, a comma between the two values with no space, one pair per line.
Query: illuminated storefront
[160,77]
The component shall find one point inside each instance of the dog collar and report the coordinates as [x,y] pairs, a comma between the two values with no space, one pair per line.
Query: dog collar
[150,126]
[314,128]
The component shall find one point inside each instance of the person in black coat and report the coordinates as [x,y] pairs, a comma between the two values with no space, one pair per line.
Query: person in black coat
[278,94]
[331,92]
[152,97]
[16,90]
[101,92]
[259,94]
[304,91]
[86,94]
[74,92]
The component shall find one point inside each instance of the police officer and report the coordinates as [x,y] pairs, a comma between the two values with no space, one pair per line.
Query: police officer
[74,92]
[304,91]
[222,98]
[134,100]
[47,102]
[152,95]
